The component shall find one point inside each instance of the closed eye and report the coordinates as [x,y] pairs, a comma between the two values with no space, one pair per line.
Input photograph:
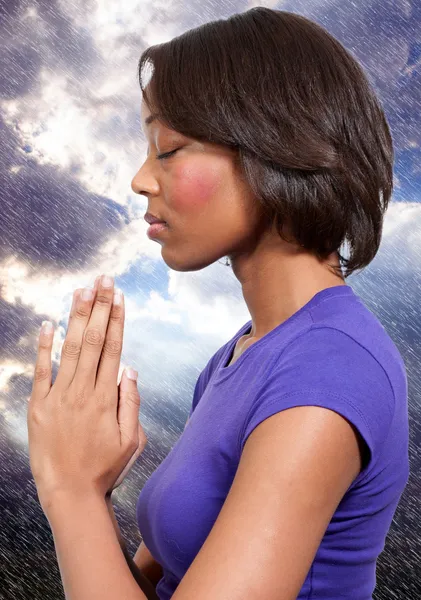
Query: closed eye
[166,154]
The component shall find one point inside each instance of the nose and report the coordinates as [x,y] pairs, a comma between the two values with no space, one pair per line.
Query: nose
[135,185]
[142,184]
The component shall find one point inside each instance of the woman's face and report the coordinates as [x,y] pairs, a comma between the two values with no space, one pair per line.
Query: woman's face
[199,193]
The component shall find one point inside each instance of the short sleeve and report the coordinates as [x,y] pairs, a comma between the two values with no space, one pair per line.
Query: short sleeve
[325,367]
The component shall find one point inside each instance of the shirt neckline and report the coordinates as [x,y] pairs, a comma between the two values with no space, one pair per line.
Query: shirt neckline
[222,371]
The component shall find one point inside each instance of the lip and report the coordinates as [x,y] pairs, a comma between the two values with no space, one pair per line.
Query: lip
[151,219]
[156,229]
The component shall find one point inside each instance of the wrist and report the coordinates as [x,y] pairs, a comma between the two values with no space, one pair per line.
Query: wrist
[62,501]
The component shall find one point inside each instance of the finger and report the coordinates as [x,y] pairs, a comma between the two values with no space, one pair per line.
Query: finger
[94,336]
[128,409]
[76,294]
[97,283]
[109,363]
[141,446]
[78,320]
[43,373]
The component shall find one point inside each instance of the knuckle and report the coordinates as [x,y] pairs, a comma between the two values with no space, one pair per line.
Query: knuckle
[130,442]
[102,400]
[112,347]
[103,300]
[35,415]
[116,313]
[45,344]
[41,373]
[133,398]
[81,312]
[93,337]
[75,396]
[80,398]
[71,349]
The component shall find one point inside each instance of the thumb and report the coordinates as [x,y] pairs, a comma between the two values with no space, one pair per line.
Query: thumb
[128,406]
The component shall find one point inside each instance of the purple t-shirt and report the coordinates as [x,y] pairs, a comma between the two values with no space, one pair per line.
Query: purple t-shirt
[333,352]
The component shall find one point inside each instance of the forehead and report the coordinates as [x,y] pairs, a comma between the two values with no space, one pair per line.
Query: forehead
[144,110]
[148,118]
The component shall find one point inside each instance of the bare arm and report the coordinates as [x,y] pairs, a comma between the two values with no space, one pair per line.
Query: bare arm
[148,565]
[91,561]
[144,571]
[142,565]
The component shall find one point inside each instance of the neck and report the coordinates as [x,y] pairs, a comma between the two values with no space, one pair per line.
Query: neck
[275,287]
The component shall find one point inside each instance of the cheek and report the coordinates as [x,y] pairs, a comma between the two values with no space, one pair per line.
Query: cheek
[196,186]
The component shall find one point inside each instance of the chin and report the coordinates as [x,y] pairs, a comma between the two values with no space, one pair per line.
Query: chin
[190,264]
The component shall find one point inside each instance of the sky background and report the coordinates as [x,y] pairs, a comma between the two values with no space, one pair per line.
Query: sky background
[70,144]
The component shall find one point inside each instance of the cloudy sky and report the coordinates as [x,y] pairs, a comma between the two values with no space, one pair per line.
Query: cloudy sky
[70,143]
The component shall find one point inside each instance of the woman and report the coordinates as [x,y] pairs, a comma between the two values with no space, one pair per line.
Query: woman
[266,144]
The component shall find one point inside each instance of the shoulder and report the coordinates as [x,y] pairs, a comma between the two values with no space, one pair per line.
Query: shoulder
[327,359]
[326,367]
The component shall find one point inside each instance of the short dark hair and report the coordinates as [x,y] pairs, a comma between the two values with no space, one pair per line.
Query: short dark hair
[312,138]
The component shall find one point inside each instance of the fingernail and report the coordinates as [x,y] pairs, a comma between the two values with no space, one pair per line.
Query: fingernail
[118,295]
[131,373]
[107,281]
[47,327]
[87,293]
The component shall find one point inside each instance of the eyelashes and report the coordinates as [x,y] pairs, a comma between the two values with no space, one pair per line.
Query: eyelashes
[166,154]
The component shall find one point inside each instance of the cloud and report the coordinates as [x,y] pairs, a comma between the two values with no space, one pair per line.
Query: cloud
[70,144]
[48,218]
[19,66]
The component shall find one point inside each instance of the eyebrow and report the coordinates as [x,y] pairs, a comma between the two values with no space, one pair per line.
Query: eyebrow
[151,118]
